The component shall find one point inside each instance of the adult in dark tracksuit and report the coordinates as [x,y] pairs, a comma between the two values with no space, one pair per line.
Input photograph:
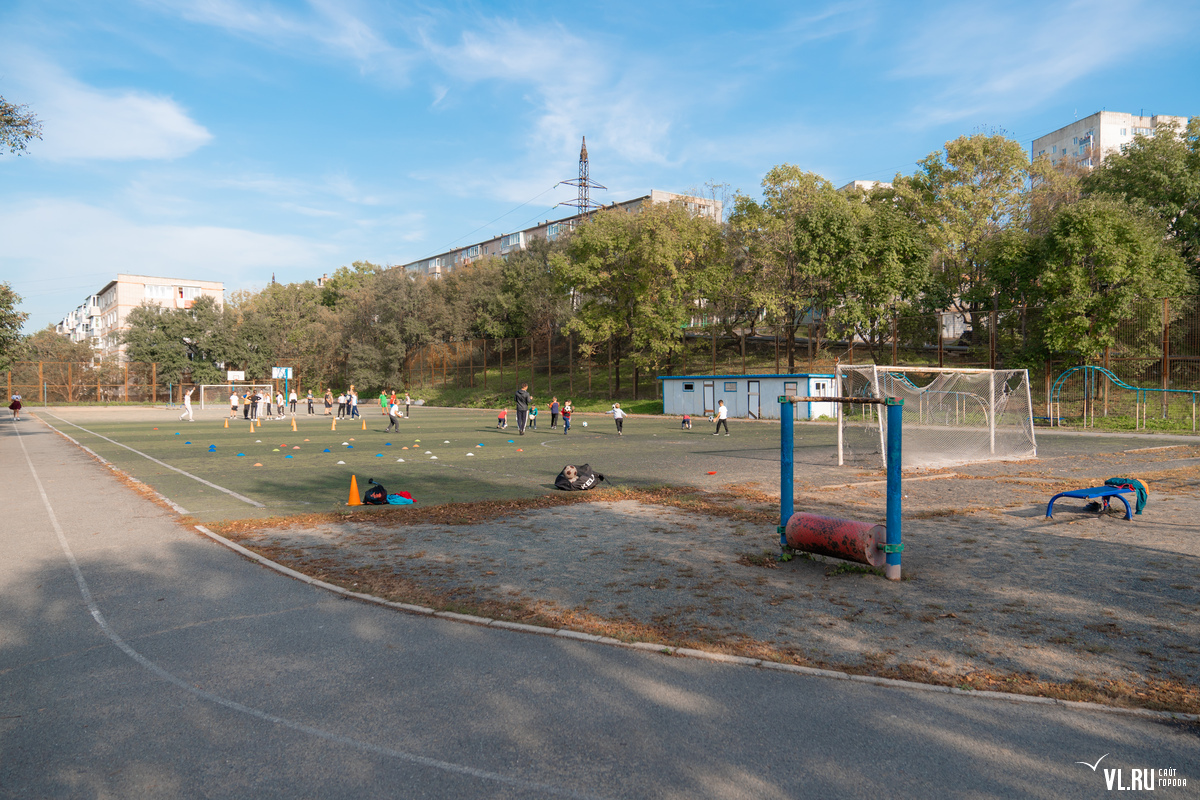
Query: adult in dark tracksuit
[554,413]
[523,399]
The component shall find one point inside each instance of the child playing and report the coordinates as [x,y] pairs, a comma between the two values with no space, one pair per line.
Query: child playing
[566,417]
[533,418]
[686,424]
[502,420]
[618,416]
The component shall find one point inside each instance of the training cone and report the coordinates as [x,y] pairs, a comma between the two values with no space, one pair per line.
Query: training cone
[354,498]
[252,426]
[227,422]
[364,419]
[333,426]
[260,422]
[293,424]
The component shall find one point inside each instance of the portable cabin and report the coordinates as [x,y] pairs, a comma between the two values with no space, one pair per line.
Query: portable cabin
[747,396]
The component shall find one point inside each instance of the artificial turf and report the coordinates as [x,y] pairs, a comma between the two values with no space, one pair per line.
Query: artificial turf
[474,461]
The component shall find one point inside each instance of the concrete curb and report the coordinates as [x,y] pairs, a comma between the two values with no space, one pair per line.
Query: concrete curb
[703,655]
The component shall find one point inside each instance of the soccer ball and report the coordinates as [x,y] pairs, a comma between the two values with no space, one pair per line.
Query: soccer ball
[585,424]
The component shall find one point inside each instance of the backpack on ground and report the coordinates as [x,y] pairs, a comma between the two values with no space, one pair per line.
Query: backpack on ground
[577,478]
[376,495]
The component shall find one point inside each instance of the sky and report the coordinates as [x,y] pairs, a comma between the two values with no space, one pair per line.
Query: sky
[236,140]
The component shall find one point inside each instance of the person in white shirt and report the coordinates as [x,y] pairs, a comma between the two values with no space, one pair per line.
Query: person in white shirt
[341,405]
[722,417]
[353,405]
[279,410]
[233,404]
[618,416]
[292,401]
[187,405]
[394,416]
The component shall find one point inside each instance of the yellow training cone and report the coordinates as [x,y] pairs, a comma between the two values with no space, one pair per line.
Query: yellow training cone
[354,499]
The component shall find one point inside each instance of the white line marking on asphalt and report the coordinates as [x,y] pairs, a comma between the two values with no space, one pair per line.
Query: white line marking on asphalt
[233,705]
[229,492]
[178,508]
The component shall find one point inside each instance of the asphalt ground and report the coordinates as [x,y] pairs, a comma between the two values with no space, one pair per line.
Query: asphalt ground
[138,659]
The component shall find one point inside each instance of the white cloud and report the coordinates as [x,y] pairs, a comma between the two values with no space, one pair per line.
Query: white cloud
[66,238]
[332,26]
[83,122]
[987,60]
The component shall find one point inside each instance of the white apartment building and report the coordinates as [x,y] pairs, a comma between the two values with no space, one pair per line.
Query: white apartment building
[436,266]
[1090,139]
[102,318]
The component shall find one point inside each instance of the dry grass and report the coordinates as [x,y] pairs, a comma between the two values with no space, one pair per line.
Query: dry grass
[1154,694]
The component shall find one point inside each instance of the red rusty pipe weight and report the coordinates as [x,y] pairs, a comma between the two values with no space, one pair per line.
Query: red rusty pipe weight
[841,538]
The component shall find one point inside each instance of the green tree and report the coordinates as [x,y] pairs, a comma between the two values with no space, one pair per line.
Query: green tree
[1163,173]
[382,321]
[285,324]
[963,198]
[11,321]
[18,127]
[1099,257]
[183,342]
[636,278]
[784,246]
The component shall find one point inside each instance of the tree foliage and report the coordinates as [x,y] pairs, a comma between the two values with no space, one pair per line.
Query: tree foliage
[1162,172]
[636,277]
[18,127]
[11,321]
[48,345]
[1098,258]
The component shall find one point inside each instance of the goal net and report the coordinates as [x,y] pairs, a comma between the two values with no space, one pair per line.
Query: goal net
[217,394]
[951,416]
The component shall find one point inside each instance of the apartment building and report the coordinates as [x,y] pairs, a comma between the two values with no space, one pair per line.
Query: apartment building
[1090,139]
[501,246]
[102,318]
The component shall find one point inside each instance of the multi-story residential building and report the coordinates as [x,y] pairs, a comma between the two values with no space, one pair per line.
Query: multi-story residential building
[501,246]
[1089,140]
[102,318]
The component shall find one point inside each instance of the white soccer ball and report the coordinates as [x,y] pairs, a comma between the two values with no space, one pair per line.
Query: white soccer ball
[585,424]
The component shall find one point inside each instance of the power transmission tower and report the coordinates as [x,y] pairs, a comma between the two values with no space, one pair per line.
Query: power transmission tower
[585,184]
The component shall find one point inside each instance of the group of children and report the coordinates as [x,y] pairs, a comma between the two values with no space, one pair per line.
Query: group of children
[556,411]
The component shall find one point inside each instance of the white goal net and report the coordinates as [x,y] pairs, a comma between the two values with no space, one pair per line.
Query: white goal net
[951,416]
[217,394]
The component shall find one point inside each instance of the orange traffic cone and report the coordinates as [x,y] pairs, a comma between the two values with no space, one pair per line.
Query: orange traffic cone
[354,498]
[260,422]
[252,426]
[333,427]
[227,422]
[364,419]
[293,424]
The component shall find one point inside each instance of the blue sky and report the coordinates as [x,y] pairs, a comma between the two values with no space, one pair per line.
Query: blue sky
[232,139]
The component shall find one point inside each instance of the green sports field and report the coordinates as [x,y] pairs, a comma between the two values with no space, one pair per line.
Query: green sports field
[439,456]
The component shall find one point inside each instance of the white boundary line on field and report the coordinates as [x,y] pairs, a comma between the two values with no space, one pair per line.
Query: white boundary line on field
[229,492]
[704,655]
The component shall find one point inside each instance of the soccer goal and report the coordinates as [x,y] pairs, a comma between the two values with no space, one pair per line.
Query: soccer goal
[951,416]
[217,394]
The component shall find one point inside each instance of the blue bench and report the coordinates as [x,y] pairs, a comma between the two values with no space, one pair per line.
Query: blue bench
[1092,494]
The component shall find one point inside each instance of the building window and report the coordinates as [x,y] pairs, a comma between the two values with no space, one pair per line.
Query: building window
[188,293]
[731,386]
[512,240]
[1054,148]
[1123,133]
[472,251]
[689,387]
[158,292]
